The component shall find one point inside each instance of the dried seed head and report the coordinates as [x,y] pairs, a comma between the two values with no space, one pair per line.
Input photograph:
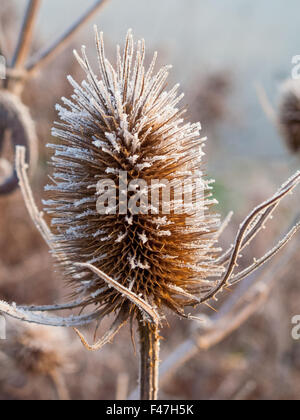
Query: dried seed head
[125,124]
[37,350]
[289,113]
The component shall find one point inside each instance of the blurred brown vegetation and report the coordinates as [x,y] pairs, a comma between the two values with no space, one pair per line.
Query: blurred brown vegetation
[260,361]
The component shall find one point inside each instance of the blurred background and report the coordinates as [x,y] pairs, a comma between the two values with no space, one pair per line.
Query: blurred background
[221,51]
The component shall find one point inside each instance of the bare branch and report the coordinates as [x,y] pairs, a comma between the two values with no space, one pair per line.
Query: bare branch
[244,228]
[36,215]
[225,223]
[48,308]
[122,386]
[256,226]
[46,55]
[16,120]
[258,263]
[149,360]
[266,104]
[247,299]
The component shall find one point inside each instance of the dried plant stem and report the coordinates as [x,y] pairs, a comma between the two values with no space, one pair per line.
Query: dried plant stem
[247,299]
[266,104]
[26,33]
[149,360]
[122,386]
[15,121]
[23,47]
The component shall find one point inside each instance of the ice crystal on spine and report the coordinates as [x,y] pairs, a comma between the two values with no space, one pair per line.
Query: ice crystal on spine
[122,119]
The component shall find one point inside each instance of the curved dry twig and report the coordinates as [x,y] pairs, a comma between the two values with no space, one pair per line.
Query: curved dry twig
[35,214]
[34,318]
[15,118]
[266,104]
[43,57]
[137,300]
[258,263]
[244,229]
[26,33]
[56,307]
[224,224]
[251,235]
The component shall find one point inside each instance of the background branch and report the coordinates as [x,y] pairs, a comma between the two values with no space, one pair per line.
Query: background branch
[149,360]
[26,33]
[47,54]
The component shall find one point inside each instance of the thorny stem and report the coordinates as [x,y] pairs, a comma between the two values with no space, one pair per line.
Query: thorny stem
[149,360]
[25,36]
[59,386]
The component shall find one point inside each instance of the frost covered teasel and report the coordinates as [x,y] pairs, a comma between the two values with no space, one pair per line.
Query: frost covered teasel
[124,121]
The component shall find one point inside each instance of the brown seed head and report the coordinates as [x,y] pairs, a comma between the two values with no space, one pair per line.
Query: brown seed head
[124,123]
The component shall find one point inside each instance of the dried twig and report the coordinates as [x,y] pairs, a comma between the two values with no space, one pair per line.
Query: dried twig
[243,303]
[15,118]
[246,228]
[46,55]
[248,298]
[26,33]
[119,322]
[18,73]
[41,319]
[36,215]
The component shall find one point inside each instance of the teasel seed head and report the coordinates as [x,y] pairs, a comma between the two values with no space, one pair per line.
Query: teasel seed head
[125,121]
[289,113]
